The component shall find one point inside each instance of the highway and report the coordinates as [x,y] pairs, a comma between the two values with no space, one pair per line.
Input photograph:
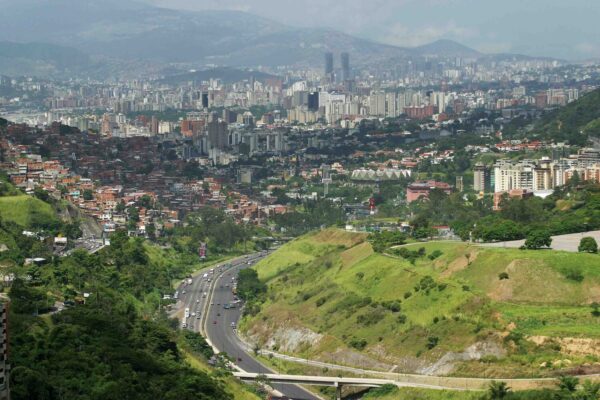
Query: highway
[218,321]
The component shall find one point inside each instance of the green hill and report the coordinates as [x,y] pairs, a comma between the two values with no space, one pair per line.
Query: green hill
[574,123]
[26,211]
[353,306]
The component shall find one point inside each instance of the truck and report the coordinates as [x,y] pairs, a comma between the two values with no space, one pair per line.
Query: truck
[187,312]
[189,281]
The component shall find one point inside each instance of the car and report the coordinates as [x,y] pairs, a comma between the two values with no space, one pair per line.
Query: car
[218,314]
[239,359]
[183,292]
[198,317]
[184,325]
[193,314]
[212,304]
[218,304]
[233,324]
[197,300]
[226,285]
[214,322]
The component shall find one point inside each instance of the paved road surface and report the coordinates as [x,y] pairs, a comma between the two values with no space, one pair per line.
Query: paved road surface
[222,334]
[568,242]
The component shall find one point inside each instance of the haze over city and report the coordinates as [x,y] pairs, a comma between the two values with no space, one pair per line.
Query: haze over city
[299,200]
[542,28]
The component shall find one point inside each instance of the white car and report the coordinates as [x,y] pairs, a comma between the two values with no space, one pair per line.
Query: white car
[193,314]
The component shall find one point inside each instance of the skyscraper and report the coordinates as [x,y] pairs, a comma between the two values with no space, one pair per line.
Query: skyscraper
[481,178]
[345,58]
[329,66]
[313,101]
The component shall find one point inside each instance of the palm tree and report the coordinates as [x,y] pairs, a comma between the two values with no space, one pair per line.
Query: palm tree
[568,383]
[590,390]
[498,390]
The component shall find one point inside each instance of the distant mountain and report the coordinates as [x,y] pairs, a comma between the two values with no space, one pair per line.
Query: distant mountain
[127,29]
[227,75]
[446,48]
[41,59]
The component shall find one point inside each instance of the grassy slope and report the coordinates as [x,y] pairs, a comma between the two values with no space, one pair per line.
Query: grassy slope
[233,386]
[19,209]
[336,270]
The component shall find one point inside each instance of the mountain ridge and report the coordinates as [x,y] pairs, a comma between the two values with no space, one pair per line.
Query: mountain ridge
[131,30]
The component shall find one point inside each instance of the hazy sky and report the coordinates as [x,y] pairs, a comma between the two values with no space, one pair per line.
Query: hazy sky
[560,28]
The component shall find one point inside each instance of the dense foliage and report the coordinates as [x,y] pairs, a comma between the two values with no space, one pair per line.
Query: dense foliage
[567,210]
[313,215]
[574,123]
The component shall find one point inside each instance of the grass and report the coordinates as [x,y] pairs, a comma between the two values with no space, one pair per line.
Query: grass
[234,387]
[332,283]
[25,210]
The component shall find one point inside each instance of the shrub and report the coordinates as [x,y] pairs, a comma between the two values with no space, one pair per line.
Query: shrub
[321,301]
[588,245]
[432,341]
[503,275]
[407,295]
[358,344]
[393,306]
[435,254]
[595,309]
[538,239]
[574,275]
[402,319]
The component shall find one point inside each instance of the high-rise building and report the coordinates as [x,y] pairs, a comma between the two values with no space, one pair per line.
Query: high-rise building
[329,66]
[154,125]
[481,178]
[345,59]
[460,186]
[218,134]
[204,99]
[313,101]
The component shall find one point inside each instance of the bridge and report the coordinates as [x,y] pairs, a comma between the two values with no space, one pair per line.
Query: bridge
[333,381]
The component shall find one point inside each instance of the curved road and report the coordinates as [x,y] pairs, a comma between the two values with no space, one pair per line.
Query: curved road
[218,320]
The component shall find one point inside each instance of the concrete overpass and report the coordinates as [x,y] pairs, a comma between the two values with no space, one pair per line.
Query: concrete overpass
[333,381]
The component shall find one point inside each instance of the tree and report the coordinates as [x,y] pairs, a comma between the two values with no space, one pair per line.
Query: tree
[588,245]
[568,384]
[88,195]
[538,239]
[498,390]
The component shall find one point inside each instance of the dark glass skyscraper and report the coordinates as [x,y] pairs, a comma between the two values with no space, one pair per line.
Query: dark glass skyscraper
[329,66]
[345,66]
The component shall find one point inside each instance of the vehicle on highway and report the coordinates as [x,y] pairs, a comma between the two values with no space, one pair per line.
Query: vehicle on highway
[184,325]
[233,324]
[218,314]
[193,314]
[198,316]
[214,322]
[183,292]
[212,304]
[197,300]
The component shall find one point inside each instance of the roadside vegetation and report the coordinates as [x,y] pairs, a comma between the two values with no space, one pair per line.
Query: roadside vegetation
[113,339]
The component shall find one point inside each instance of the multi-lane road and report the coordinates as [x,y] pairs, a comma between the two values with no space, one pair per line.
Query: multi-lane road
[218,324]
